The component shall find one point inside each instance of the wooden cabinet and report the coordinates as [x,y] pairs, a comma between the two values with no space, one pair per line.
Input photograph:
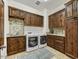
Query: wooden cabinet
[1,22]
[21,44]
[57,19]
[50,41]
[60,44]
[71,38]
[27,19]
[30,19]
[71,9]
[56,42]
[36,20]
[71,41]
[12,46]
[16,45]
[14,12]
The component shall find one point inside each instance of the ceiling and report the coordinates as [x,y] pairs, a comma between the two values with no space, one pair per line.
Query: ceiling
[50,4]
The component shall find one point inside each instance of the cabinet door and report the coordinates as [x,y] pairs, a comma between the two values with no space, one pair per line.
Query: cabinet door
[22,14]
[1,10]
[14,12]
[71,38]
[1,31]
[50,21]
[40,21]
[1,22]
[75,8]
[21,44]
[50,41]
[27,19]
[33,20]
[36,20]
[63,19]
[12,46]
[69,9]
[58,19]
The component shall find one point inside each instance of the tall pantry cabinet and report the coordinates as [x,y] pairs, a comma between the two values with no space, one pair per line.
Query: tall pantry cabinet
[71,42]
[1,22]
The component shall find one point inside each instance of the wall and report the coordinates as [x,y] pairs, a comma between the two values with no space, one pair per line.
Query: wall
[46,26]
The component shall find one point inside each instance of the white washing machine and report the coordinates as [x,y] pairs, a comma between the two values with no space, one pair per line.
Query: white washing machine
[42,41]
[31,42]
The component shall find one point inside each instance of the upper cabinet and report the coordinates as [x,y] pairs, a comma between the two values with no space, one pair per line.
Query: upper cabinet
[36,20]
[27,19]
[1,22]
[30,19]
[33,20]
[57,19]
[13,12]
[71,9]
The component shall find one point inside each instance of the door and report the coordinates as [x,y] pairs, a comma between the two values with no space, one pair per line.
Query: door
[50,40]
[75,8]
[71,38]
[27,19]
[1,22]
[69,9]
[43,39]
[12,45]
[32,41]
[21,43]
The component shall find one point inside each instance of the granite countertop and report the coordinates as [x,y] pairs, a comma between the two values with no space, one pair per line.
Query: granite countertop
[57,34]
[15,35]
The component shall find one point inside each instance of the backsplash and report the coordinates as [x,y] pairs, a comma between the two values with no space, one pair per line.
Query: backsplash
[58,31]
[33,29]
[16,27]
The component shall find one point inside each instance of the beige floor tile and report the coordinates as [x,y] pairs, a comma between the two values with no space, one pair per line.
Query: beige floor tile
[58,55]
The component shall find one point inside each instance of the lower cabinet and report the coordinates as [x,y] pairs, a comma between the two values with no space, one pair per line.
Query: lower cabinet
[50,41]
[56,42]
[16,45]
[60,44]
[71,42]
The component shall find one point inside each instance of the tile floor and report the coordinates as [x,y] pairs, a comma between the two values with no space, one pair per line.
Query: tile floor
[58,55]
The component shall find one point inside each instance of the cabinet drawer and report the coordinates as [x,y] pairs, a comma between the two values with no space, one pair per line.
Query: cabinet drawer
[60,48]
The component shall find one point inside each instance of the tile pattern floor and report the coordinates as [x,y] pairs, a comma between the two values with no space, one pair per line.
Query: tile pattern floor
[58,55]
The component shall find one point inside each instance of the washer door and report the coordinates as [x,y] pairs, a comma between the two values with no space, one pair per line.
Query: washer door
[32,41]
[43,39]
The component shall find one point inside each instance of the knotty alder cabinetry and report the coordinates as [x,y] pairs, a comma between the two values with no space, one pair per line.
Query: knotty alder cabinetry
[1,22]
[71,41]
[72,9]
[56,42]
[16,44]
[30,19]
[57,19]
